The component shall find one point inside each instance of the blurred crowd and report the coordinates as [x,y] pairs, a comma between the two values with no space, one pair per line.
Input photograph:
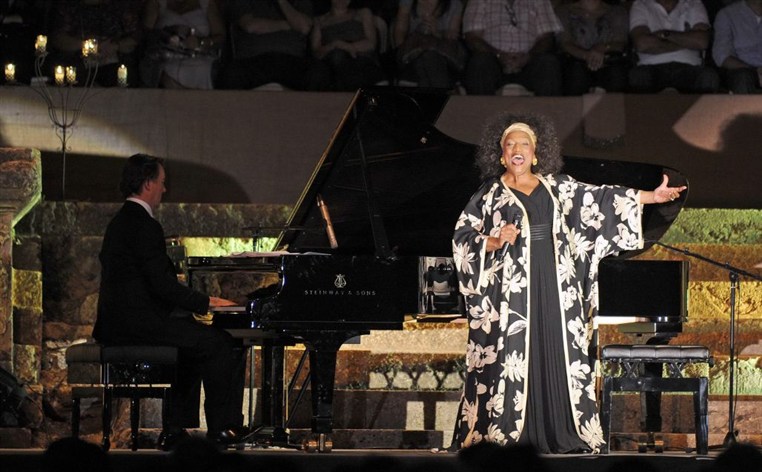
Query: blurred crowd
[547,47]
[199,455]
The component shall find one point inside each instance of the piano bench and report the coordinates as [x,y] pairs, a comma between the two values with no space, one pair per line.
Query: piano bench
[133,372]
[632,359]
[83,374]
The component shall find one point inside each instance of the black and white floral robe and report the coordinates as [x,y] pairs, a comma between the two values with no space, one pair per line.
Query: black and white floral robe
[588,223]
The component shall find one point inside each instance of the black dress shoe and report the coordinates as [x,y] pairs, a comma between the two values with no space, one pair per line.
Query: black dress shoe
[227,437]
[169,438]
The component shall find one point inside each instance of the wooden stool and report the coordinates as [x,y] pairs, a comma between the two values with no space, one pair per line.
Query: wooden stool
[631,359]
[132,372]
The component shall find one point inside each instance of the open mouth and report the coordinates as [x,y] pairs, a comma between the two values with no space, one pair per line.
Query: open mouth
[517,160]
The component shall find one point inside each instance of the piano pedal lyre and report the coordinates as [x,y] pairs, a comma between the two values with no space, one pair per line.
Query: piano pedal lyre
[651,441]
[318,443]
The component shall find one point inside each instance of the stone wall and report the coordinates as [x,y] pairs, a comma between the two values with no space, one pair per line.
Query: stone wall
[20,310]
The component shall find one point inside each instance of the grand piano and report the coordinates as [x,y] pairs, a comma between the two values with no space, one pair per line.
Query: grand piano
[379,207]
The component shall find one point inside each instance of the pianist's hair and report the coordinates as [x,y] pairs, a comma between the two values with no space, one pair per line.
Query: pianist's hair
[548,151]
[139,169]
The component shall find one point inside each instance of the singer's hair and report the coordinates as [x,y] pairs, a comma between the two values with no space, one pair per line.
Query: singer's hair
[138,169]
[548,150]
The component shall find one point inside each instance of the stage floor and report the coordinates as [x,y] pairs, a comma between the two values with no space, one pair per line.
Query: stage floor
[377,460]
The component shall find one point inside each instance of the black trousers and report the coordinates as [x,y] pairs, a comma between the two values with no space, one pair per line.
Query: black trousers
[208,356]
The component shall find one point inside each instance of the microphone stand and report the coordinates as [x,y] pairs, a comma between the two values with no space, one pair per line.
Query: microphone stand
[731,437]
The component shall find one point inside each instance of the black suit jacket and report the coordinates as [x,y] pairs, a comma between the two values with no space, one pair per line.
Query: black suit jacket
[139,287]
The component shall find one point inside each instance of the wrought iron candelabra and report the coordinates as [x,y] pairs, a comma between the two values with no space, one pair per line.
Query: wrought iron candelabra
[66,96]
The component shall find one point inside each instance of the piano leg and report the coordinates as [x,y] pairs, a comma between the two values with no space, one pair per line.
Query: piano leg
[272,431]
[322,353]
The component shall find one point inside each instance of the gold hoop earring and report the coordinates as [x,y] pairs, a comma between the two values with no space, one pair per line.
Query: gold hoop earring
[534,161]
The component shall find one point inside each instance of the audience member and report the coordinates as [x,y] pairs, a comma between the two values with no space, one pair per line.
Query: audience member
[115,24]
[670,38]
[183,43]
[739,456]
[594,43]
[20,22]
[511,41]
[427,35]
[344,41]
[270,45]
[484,456]
[74,455]
[737,48]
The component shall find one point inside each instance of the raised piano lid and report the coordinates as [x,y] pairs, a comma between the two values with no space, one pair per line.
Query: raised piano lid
[394,184]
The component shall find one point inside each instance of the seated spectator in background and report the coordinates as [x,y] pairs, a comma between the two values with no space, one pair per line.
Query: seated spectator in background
[511,41]
[670,38]
[115,24]
[594,43]
[20,23]
[183,43]
[344,41]
[270,45]
[737,47]
[427,35]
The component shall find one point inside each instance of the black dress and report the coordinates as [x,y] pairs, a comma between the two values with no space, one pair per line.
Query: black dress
[548,423]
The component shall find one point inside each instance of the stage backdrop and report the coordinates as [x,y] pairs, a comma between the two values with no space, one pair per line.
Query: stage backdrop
[261,147]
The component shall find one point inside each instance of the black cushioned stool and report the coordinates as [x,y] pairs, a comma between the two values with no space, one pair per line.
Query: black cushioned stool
[631,359]
[136,372]
[133,372]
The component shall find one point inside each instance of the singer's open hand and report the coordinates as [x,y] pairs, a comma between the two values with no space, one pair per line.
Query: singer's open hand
[508,234]
[663,193]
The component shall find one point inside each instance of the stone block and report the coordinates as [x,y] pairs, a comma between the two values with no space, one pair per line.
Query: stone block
[377,438]
[57,331]
[16,438]
[385,409]
[27,252]
[71,277]
[728,226]
[20,180]
[27,326]
[27,363]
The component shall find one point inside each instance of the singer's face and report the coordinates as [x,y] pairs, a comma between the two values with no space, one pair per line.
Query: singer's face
[518,153]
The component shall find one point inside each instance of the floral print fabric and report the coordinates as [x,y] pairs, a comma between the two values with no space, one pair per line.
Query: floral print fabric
[589,223]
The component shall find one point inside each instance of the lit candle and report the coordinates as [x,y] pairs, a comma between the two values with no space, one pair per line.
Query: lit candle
[10,73]
[41,44]
[121,75]
[59,75]
[89,47]
[71,75]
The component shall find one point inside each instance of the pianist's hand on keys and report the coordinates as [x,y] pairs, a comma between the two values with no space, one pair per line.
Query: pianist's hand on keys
[214,302]
[217,301]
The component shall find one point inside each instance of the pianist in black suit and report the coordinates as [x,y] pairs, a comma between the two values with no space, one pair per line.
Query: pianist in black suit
[138,293]
[526,249]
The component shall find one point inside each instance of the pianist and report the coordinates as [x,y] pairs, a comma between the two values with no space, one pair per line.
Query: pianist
[139,289]
[526,249]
